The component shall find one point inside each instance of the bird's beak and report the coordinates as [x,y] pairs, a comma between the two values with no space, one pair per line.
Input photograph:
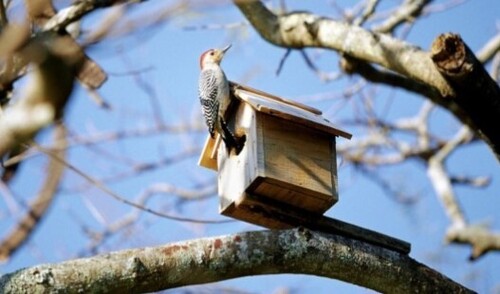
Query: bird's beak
[226,48]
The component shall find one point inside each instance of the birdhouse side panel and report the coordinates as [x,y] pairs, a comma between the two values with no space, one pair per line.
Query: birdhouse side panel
[333,168]
[297,160]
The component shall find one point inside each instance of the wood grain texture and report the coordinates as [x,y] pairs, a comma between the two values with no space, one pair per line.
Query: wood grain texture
[236,86]
[289,112]
[297,163]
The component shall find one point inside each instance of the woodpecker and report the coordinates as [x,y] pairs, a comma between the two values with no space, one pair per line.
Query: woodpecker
[213,91]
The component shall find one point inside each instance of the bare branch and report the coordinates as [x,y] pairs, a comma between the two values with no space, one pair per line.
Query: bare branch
[114,195]
[323,76]
[372,74]
[179,194]
[22,231]
[300,29]
[407,12]
[282,61]
[489,50]
[495,67]
[78,10]
[252,253]
[479,237]
[367,12]
[478,182]
[42,13]
[441,181]
[45,96]
[479,94]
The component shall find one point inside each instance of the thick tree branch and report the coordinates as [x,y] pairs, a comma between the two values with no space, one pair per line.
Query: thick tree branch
[220,258]
[372,74]
[479,95]
[301,29]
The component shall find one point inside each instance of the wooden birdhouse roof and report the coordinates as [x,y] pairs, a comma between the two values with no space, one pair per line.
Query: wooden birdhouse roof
[282,108]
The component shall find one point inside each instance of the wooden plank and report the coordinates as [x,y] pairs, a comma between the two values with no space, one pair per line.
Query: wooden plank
[298,155]
[236,173]
[237,86]
[254,212]
[206,158]
[215,148]
[333,169]
[267,213]
[292,195]
[290,113]
[331,225]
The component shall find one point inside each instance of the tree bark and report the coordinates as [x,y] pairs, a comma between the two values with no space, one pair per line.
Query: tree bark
[477,93]
[213,259]
[414,69]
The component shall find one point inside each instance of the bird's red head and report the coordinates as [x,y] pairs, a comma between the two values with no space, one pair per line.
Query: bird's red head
[213,56]
[205,55]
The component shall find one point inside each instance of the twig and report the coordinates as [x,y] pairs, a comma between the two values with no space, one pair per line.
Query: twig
[441,181]
[282,61]
[370,7]
[479,237]
[405,13]
[37,209]
[489,49]
[322,75]
[119,198]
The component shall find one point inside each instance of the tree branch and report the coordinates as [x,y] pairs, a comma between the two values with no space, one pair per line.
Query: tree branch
[479,237]
[489,50]
[301,29]
[78,10]
[244,254]
[37,209]
[479,95]
[298,30]
[44,98]
[407,12]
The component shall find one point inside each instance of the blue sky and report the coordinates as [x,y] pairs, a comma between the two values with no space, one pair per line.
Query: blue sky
[167,57]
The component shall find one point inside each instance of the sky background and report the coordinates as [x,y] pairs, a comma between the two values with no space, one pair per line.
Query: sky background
[167,59]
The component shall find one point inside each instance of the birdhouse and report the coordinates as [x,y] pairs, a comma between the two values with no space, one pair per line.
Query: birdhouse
[288,161]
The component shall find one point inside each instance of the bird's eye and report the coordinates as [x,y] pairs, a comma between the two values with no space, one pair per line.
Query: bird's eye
[212,53]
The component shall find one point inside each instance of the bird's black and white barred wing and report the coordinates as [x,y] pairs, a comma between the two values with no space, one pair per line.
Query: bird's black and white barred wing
[207,92]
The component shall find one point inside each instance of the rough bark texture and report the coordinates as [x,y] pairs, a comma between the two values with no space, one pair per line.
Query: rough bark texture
[477,93]
[300,29]
[415,66]
[214,259]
